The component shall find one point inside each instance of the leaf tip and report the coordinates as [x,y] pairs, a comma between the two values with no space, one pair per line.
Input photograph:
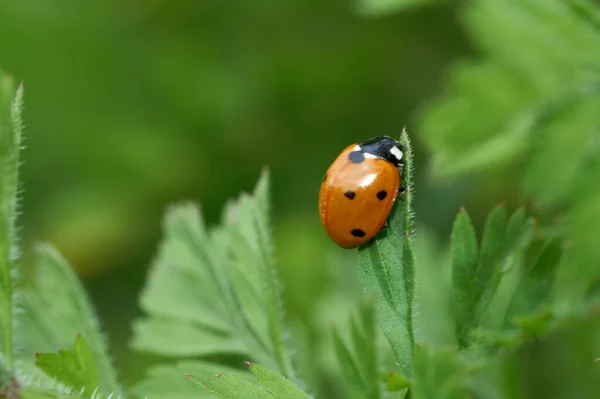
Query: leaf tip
[249,364]
[462,210]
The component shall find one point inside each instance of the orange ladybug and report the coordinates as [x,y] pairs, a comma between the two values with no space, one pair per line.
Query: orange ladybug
[359,191]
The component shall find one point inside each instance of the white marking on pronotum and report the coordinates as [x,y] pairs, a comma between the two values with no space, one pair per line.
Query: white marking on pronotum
[356,148]
[368,155]
[395,151]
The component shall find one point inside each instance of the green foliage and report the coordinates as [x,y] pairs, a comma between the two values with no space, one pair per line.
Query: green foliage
[531,101]
[387,269]
[213,298]
[76,368]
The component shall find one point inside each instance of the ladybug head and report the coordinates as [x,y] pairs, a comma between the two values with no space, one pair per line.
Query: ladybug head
[383,147]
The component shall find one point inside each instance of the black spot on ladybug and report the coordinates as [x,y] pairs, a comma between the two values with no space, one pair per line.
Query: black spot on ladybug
[350,194]
[357,233]
[382,194]
[356,156]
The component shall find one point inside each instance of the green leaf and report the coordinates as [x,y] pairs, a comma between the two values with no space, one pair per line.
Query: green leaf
[395,381]
[57,307]
[229,386]
[519,232]
[439,375]
[534,290]
[463,254]
[270,282]
[364,337]
[215,289]
[186,340]
[75,368]
[359,360]
[493,247]
[349,367]
[277,384]
[10,146]
[387,269]
[169,381]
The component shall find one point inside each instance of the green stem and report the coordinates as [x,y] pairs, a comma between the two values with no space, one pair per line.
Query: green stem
[408,261]
[10,145]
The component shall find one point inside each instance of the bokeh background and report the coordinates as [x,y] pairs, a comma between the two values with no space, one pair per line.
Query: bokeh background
[133,105]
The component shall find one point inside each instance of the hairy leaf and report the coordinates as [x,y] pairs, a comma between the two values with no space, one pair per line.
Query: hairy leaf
[10,146]
[76,368]
[387,269]
[214,290]
[230,386]
[276,384]
[170,381]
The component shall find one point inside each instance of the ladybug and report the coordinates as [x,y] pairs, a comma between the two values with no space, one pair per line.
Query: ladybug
[359,191]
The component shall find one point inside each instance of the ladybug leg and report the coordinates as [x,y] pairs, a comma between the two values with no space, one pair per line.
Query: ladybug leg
[385,225]
[401,190]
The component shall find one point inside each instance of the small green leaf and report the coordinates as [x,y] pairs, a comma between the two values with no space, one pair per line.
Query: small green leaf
[534,290]
[349,367]
[277,384]
[364,338]
[463,254]
[387,269]
[493,247]
[439,375]
[519,231]
[75,368]
[394,381]
[57,294]
[230,386]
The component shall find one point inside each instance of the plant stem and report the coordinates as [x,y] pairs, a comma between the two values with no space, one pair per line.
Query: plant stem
[10,145]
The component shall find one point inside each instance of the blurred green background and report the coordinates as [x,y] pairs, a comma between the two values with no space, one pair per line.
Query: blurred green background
[133,105]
